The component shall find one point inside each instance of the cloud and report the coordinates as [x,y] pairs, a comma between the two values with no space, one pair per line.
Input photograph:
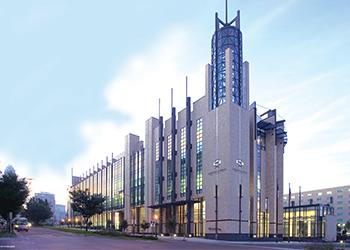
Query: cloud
[145,78]
[318,147]
[134,91]
[44,179]
[262,23]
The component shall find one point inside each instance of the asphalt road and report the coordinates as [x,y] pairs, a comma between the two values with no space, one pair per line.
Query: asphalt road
[44,239]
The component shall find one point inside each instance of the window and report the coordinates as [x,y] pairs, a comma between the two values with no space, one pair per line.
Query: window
[118,188]
[199,155]
[329,192]
[157,151]
[309,195]
[169,170]
[339,214]
[319,194]
[339,202]
[169,147]
[339,196]
[339,208]
[339,191]
[183,161]
[331,200]
[319,198]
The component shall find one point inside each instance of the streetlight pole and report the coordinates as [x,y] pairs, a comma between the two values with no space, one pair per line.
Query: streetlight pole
[240,164]
[216,164]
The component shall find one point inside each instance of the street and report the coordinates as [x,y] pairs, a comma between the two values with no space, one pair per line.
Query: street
[43,238]
[47,239]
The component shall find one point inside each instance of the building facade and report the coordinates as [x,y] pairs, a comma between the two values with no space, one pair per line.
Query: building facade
[312,221]
[215,167]
[50,198]
[337,197]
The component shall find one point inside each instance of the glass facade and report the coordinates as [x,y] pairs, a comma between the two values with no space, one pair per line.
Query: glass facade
[305,221]
[157,175]
[199,155]
[183,162]
[223,38]
[118,189]
[262,213]
[169,184]
[137,180]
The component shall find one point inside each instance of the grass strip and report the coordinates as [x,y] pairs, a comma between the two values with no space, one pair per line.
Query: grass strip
[103,233]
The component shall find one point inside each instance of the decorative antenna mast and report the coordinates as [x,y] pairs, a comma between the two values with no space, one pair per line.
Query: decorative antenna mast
[226,11]
[186,87]
[159,107]
[171,98]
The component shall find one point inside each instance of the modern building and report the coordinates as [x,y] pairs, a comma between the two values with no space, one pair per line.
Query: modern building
[215,167]
[309,222]
[60,213]
[50,198]
[337,197]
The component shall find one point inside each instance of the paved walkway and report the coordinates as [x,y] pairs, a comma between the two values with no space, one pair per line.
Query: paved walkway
[43,238]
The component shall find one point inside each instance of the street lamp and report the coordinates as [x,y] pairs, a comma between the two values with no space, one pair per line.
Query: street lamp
[216,165]
[156,223]
[240,164]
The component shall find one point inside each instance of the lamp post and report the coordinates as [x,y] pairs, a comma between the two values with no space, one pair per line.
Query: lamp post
[216,164]
[156,223]
[240,164]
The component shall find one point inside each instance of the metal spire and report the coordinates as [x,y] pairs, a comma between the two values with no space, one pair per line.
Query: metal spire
[186,87]
[159,107]
[226,11]
[172,104]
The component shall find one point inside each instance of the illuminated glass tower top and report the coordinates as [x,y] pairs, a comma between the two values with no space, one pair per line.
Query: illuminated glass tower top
[227,35]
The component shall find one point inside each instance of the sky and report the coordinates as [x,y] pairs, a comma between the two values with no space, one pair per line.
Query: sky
[77,76]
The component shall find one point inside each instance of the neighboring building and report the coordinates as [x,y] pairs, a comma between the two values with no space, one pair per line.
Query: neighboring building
[337,197]
[9,170]
[60,213]
[216,167]
[50,198]
[313,221]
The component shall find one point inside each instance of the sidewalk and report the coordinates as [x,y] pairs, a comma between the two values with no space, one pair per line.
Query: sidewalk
[279,244]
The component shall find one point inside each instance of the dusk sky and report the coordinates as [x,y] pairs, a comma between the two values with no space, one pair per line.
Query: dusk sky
[77,76]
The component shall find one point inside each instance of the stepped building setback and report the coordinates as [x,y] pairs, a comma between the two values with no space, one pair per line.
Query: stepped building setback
[215,167]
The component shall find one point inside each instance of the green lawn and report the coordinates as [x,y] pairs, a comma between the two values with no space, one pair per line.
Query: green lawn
[103,233]
[7,234]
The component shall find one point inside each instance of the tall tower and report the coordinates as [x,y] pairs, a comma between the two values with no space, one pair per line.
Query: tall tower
[227,35]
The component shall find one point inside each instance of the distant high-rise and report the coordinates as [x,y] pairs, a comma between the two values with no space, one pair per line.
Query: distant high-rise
[50,198]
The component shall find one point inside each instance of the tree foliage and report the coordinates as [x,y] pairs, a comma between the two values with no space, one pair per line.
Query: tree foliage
[38,210]
[171,225]
[86,204]
[13,193]
[145,225]
[347,225]
[123,225]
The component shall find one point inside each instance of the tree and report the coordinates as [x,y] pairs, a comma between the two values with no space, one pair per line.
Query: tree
[38,210]
[171,225]
[13,193]
[123,225]
[347,225]
[144,225]
[86,205]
